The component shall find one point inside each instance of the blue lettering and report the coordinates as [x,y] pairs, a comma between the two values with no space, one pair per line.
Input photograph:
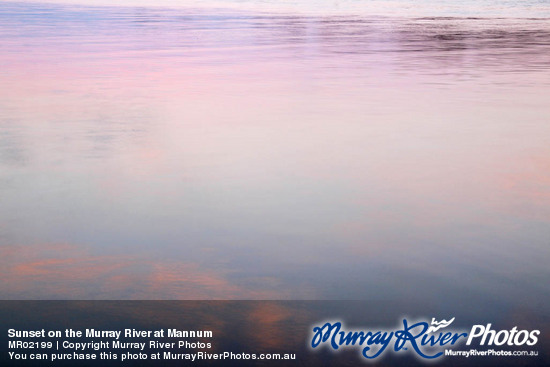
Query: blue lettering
[405,335]
[378,338]
[414,335]
[321,336]
[431,339]
[351,337]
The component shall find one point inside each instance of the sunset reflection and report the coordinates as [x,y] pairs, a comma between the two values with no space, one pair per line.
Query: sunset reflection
[177,153]
[62,271]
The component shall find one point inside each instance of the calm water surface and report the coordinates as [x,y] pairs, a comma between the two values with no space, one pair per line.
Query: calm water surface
[250,153]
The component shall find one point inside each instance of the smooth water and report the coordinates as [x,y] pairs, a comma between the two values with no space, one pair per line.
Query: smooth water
[247,152]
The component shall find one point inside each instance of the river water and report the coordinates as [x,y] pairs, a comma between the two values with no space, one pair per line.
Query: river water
[277,150]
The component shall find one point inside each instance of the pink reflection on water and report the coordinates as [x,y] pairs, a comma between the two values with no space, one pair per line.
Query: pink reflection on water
[362,136]
[64,271]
